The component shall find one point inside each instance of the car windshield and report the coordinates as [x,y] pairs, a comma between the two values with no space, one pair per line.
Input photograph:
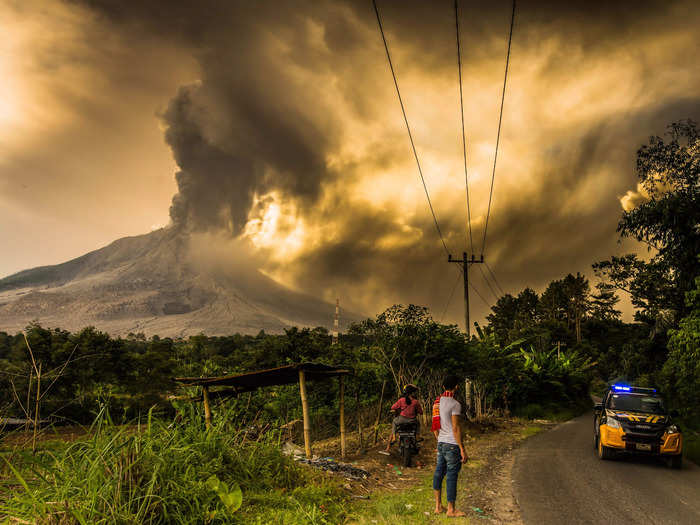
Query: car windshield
[636,403]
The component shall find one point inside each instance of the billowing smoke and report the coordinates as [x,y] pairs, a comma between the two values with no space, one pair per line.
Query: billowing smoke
[215,184]
[295,108]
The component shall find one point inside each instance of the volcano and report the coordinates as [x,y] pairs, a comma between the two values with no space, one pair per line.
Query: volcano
[153,284]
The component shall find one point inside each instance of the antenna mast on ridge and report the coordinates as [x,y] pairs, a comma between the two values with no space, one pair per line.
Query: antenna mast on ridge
[336,322]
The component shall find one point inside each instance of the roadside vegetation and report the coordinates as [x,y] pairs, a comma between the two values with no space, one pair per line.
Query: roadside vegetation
[167,472]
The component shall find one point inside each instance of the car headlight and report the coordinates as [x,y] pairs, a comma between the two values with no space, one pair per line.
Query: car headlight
[672,429]
[612,422]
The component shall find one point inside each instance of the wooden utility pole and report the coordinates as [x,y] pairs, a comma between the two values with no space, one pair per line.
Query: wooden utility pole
[305,412]
[342,416]
[465,271]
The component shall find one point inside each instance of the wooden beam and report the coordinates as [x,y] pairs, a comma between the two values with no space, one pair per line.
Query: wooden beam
[305,411]
[207,407]
[342,416]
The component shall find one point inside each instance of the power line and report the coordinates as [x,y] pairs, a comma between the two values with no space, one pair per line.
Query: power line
[479,294]
[500,118]
[488,283]
[464,136]
[454,287]
[408,128]
[493,276]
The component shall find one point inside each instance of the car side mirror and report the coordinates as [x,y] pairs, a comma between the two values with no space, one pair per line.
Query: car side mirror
[598,407]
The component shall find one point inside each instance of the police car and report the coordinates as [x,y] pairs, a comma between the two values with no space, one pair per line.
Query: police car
[633,420]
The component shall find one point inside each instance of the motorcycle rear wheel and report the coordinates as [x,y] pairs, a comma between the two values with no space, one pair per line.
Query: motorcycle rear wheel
[406,455]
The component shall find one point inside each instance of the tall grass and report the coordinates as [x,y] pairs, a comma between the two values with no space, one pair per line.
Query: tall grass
[169,473]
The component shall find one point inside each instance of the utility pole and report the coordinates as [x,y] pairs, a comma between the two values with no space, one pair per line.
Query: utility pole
[465,262]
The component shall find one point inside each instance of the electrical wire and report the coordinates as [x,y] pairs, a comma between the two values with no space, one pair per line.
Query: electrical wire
[408,128]
[493,276]
[464,136]
[498,134]
[479,295]
[488,283]
[454,287]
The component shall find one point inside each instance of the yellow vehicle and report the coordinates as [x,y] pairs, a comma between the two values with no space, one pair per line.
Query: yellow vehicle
[633,420]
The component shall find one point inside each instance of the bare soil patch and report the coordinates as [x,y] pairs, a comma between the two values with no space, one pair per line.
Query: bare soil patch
[485,490]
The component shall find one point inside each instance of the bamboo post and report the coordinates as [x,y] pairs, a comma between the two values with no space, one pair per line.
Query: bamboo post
[342,416]
[379,413]
[305,411]
[207,407]
[36,406]
[28,411]
[360,448]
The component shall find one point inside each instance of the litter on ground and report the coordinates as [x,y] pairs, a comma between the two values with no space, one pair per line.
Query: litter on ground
[330,465]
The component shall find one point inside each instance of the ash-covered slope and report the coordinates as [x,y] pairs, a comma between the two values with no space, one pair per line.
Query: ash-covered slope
[152,284]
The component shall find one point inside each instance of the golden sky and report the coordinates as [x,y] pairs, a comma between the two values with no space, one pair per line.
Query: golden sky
[282,124]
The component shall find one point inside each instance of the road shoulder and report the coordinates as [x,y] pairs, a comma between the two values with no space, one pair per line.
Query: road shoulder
[485,483]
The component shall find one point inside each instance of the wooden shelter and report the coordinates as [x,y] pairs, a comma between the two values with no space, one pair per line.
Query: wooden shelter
[283,375]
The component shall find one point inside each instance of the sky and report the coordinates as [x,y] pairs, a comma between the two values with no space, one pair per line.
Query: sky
[277,124]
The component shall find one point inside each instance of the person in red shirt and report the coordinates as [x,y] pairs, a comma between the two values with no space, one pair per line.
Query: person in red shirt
[408,408]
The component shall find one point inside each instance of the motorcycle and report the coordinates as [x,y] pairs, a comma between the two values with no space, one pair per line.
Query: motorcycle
[407,436]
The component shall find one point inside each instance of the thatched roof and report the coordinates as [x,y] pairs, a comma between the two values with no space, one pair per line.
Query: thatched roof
[282,375]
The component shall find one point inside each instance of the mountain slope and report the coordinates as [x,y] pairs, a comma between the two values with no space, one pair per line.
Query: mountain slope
[155,284]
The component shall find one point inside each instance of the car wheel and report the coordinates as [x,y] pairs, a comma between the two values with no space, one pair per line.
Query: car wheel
[677,462]
[604,452]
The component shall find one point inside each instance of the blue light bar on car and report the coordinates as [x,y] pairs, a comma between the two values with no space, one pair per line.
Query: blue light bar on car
[622,388]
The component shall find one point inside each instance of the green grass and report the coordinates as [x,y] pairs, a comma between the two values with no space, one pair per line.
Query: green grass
[531,430]
[412,506]
[159,473]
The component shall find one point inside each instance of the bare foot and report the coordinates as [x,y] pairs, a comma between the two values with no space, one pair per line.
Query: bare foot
[455,514]
[440,509]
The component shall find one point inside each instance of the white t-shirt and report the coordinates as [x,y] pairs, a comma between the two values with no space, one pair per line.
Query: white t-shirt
[449,407]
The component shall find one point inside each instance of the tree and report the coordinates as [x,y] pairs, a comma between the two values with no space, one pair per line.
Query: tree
[576,290]
[567,299]
[668,222]
[603,304]
[681,372]
[528,303]
[406,342]
[554,302]
[502,318]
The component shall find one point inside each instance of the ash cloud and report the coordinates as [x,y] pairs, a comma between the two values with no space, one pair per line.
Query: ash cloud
[295,98]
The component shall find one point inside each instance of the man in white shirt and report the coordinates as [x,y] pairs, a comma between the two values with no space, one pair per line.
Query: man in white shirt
[450,451]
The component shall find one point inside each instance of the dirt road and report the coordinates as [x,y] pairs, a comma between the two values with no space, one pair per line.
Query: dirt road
[557,478]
